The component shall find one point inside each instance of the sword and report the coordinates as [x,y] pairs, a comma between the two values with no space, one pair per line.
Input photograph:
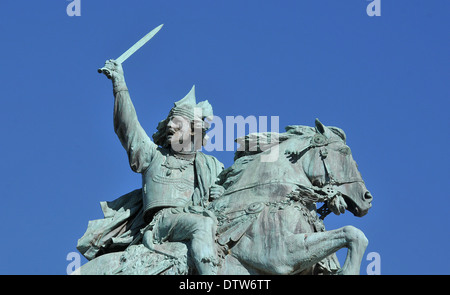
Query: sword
[132,50]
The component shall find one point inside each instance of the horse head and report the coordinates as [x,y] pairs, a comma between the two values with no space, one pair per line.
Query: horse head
[328,164]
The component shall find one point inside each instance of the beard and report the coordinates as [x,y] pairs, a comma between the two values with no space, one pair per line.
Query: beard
[179,142]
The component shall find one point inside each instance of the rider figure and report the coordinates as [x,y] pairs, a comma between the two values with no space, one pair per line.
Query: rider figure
[177,179]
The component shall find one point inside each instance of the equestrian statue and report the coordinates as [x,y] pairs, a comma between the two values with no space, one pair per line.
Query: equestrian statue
[192,216]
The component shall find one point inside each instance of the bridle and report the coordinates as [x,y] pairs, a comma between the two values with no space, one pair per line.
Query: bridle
[327,190]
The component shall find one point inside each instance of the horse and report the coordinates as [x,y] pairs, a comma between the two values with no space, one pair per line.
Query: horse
[267,219]
[268,215]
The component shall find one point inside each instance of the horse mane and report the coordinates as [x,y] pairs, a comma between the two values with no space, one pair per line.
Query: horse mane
[255,143]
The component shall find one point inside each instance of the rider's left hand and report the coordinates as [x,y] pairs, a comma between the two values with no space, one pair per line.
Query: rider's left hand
[216,191]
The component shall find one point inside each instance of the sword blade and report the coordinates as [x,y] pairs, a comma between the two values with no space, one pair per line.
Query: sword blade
[138,45]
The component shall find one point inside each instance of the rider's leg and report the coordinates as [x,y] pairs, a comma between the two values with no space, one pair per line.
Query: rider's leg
[203,245]
[198,231]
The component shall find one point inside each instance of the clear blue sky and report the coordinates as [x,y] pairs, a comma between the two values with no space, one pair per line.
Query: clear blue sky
[384,80]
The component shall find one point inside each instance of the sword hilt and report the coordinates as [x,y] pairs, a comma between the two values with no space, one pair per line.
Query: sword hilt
[105,71]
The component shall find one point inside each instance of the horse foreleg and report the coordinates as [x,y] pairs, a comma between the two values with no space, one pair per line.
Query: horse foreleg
[291,254]
[356,244]
[304,250]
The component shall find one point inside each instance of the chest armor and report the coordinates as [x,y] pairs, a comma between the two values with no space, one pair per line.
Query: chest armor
[168,182]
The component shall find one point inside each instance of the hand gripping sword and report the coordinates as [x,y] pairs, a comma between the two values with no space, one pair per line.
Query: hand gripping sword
[132,50]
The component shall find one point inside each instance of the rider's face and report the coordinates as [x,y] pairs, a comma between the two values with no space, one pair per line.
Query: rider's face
[179,132]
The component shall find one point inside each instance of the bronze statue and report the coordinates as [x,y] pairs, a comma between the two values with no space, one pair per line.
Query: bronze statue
[255,217]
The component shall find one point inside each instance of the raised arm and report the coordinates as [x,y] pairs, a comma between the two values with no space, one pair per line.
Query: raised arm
[139,147]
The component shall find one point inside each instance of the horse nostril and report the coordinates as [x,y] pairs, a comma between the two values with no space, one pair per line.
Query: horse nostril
[368,197]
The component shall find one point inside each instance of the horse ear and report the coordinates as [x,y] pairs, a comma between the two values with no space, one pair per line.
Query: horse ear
[320,127]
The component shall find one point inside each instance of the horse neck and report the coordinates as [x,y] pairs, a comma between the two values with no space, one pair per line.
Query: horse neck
[287,168]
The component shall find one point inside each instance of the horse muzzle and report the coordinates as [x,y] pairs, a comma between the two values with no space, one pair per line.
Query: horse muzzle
[359,204]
